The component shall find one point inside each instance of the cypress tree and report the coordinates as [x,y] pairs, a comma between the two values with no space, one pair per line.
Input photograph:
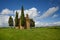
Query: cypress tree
[16,20]
[22,17]
[10,21]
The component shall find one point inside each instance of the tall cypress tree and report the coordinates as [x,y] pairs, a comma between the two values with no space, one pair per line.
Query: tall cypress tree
[22,17]
[16,20]
[10,21]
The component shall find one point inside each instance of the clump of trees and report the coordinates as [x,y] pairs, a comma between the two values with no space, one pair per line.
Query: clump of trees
[22,20]
[10,21]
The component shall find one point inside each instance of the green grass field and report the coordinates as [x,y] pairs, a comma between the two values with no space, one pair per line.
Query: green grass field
[31,34]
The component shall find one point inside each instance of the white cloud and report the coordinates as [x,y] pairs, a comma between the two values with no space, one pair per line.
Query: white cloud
[57,23]
[54,16]
[32,12]
[39,24]
[4,20]
[7,11]
[49,12]
[5,16]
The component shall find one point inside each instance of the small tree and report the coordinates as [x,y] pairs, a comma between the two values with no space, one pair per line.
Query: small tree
[32,23]
[16,20]
[10,21]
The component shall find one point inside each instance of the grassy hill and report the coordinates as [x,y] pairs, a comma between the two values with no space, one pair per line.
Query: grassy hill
[31,34]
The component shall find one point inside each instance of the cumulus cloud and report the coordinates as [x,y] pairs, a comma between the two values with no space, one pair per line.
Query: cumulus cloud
[7,11]
[32,12]
[3,20]
[49,12]
[41,24]
[5,16]
[57,23]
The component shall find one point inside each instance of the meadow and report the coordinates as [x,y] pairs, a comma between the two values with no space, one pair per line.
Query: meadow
[30,34]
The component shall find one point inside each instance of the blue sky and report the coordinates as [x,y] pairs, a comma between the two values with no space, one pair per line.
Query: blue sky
[44,12]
